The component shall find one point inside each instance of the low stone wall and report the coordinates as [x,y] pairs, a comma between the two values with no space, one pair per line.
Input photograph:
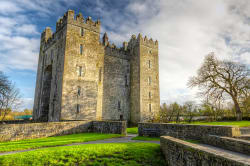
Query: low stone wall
[182,153]
[228,143]
[186,131]
[114,127]
[11,132]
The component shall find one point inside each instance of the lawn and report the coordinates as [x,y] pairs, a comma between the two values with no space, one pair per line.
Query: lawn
[141,138]
[53,141]
[233,123]
[118,154]
[133,130]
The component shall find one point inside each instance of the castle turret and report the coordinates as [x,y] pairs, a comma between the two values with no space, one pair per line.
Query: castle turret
[145,98]
[105,39]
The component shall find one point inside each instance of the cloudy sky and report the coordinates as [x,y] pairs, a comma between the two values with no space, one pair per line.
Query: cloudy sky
[187,30]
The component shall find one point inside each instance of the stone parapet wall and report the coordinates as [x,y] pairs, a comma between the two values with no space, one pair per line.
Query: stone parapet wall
[186,131]
[182,153]
[12,132]
[228,143]
[114,127]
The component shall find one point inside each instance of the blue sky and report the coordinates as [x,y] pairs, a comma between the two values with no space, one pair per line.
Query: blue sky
[187,30]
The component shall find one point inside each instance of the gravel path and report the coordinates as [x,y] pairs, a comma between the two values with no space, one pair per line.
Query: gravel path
[126,139]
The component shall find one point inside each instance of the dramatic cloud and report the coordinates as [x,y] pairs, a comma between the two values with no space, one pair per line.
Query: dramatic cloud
[187,30]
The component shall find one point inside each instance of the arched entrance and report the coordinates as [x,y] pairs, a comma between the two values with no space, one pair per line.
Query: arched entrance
[46,93]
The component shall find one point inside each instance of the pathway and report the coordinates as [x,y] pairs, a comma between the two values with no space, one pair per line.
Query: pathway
[125,139]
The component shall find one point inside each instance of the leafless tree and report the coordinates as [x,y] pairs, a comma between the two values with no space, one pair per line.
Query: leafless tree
[9,96]
[219,80]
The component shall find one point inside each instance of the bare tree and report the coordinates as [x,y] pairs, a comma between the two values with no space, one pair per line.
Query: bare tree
[9,96]
[219,80]
[189,108]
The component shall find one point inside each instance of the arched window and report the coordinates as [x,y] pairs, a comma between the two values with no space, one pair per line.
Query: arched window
[77,108]
[81,49]
[82,31]
[78,91]
[79,71]
[149,80]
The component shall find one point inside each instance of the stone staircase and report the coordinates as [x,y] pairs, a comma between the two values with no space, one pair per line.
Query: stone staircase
[210,150]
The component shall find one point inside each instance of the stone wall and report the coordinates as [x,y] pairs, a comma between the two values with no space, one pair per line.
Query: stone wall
[12,132]
[114,127]
[182,153]
[116,85]
[186,131]
[228,143]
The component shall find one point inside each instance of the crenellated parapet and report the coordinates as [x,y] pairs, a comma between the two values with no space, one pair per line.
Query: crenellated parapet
[78,20]
[142,41]
[147,42]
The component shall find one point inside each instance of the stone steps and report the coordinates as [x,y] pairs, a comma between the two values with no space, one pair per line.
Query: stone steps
[245,137]
[236,156]
[181,153]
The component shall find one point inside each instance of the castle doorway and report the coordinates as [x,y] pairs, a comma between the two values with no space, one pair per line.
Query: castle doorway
[46,93]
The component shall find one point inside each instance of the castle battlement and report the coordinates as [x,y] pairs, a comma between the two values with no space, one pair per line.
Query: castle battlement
[78,20]
[143,41]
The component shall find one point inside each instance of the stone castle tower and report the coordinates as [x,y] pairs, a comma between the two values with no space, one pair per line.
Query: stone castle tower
[81,78]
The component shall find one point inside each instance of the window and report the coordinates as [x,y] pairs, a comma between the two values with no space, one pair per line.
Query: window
[77,108]
[149,94]
[81,49]
[100,74]
[78,90]
[126,80]
[79,71]
[149,80]
[149,107]
[119,105]
[149,64]
[82,32]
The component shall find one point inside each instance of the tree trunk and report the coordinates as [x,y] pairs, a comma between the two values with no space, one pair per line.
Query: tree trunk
[238,112]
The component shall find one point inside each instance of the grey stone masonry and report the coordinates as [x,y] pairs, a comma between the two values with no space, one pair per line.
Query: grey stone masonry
[233,144]
[13,132]
[182,153]
[186,131]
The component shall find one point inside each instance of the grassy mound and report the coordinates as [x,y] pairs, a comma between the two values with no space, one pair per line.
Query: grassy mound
[134,154]
[146,138]
[133,130]
[53,141]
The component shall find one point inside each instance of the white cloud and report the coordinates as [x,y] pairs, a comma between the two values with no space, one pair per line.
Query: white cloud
[187,30]
[26,103]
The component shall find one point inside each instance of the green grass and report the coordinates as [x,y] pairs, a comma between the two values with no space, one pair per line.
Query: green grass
[112,154]
[141,138]
[227,123]
[53,141]
[193,141]
[132,130]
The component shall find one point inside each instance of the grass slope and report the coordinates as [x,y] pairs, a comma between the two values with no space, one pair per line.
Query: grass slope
[53,141]
[146,138]
[118,154]
[133,130]
[227,123]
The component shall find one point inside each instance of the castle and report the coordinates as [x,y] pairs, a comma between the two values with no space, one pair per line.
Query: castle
[80,77]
